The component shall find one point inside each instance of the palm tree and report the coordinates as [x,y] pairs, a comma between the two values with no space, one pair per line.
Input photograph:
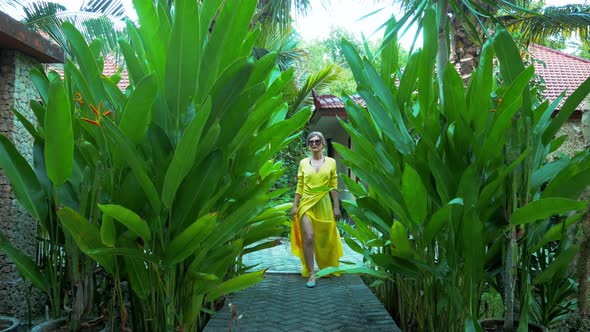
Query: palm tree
[470,20]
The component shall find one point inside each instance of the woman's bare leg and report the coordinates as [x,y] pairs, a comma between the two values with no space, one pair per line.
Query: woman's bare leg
[308,244]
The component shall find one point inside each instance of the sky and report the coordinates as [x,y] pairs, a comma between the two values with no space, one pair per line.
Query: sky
[349,15]
[344,13]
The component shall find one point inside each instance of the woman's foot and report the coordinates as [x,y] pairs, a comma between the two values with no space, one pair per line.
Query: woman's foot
[311,281]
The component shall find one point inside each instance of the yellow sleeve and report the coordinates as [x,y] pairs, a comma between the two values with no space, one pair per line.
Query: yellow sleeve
[333,176]
[299,180]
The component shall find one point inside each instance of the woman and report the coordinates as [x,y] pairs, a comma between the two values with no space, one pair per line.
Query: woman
[314,235]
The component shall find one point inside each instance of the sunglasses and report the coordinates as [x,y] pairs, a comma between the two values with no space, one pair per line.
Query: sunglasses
[314,142]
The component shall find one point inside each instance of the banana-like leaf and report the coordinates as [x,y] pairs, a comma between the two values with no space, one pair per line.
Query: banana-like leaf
[415,195]
[185,154]
[544,208]
[136,163]
[25,265]
[439,219]
[555,233]
[154,44]
[128,218]
[86,59]
[86,236]
[190,239]
[558,267]
[352,269]
[137,114]
[25,184]
[41,83]
[108,233]
[182,60]
[235,284]
[400,242]
[567,109]
[59,135]
[136,72]
[570,182]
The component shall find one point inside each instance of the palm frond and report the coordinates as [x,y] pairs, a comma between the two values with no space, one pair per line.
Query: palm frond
[317,81]
[96,19]
[284,43]
[563,20]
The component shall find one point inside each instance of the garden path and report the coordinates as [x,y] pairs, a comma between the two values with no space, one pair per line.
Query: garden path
[282,302]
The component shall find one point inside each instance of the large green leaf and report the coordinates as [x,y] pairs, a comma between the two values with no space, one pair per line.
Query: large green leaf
[182,60]
[185,243]
[136,72]
[184,155]
[545,208]
[415,195]
[558,266]
[567,109]
[137,114]
[86,59]
[235,284]
[41,83]
[25,265]
[86,236]
[59,135]
[25,184]
[136,163]
[155,46]
[128,218]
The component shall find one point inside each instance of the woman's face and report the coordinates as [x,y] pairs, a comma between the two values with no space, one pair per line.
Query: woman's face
[315,143]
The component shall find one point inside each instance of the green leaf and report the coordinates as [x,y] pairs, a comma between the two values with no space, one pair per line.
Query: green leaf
[25,184]
[566,110]
[25,265]
[235,284]
[189,240]
[560,264]
[128,218]
[137,114]
[556,232]
[59,135]
[353,269]
[185,155]
[439,219]
[41,83]
[415,194]
[400,242]
[545,208]
[182,64]
[86,59]
[86,236]
[108,233]
[136,163]
[154,44]
[136,72]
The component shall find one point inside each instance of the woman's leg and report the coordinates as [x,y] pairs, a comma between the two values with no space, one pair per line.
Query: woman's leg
[308,246]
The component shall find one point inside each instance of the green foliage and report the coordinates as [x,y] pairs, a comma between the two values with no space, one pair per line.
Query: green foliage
[456,173]
[328,51]
[172,181]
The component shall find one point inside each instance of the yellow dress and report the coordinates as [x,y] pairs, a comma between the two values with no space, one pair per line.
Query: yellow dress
[314,188]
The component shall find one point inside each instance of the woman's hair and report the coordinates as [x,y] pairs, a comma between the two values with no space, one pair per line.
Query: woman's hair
[314,134]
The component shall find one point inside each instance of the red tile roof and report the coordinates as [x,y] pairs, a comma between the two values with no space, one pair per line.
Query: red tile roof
[110,68]
[560,71]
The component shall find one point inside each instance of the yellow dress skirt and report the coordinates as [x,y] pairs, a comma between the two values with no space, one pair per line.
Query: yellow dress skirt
[314,188]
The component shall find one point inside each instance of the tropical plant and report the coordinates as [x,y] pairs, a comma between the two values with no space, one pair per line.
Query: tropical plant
[458,172]
[181,166]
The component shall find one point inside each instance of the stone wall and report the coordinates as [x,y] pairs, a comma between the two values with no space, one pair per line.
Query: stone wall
[16,90]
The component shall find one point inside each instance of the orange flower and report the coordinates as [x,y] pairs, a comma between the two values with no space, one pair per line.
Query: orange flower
[97,112]
[79,98]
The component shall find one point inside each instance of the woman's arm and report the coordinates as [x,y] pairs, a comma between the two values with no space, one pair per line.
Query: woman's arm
[295,204]
[336,203]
